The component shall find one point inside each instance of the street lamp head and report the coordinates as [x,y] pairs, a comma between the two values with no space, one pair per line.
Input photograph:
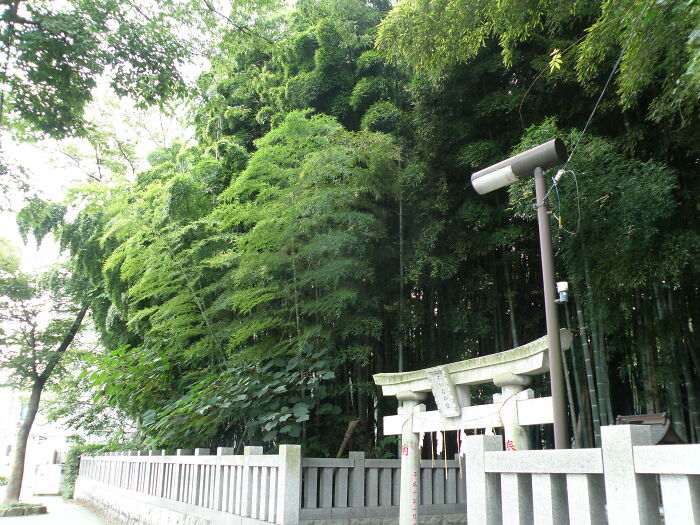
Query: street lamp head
[520,166]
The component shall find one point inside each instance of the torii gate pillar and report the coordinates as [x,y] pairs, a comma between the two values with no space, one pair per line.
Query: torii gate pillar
[512,391]
[410,457]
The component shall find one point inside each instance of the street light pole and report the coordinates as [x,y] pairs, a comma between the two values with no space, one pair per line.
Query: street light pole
[556,375]
[522,166]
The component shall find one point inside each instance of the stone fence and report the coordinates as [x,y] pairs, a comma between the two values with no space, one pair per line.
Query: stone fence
[358,488]
[627,481]
[193,487]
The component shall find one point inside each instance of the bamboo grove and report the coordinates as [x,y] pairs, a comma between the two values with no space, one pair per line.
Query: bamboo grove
[323,228]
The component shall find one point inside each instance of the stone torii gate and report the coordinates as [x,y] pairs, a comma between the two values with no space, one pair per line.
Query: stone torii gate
[450,384]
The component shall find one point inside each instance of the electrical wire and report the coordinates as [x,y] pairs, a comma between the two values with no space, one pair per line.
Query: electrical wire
[614,69]
[578,207]
[555,187]
[563,170]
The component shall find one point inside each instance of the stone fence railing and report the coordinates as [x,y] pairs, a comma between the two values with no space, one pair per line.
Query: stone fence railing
[627,481]
[152,488]
[156,489]
[369,488]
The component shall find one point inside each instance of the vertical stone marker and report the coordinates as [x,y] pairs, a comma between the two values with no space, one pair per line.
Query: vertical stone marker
[410,458]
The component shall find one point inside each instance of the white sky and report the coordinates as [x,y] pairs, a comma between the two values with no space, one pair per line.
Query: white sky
[52,181]
[50,172]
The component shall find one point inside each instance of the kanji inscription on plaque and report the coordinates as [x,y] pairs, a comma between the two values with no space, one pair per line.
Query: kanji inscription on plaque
[444,392]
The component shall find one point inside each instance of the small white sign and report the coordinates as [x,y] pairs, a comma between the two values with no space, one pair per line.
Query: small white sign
[444,392]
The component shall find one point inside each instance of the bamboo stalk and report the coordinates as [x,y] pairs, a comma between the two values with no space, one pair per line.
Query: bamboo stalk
[597,355]
[593,396]
[577,385]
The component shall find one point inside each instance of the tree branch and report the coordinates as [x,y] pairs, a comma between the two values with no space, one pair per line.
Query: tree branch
[19,20]
[239,27]
[122,150]
[67,340]
[32,345]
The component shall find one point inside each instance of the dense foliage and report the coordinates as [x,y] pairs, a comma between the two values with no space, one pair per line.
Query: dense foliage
[71,464]
[323,228]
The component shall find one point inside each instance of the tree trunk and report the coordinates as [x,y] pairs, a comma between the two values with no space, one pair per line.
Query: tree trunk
[606,375]
[693,412]
[361,397]
[647,358]
[684,372]
[570,397]
[499,343]
[577,381]
[14,485]
[676,404]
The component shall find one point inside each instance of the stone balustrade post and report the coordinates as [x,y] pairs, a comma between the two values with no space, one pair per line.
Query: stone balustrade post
[357,480]
[247,491]
[222,482]
[179,475]
[199,476]
[483,489]
[630,497]
[289,485]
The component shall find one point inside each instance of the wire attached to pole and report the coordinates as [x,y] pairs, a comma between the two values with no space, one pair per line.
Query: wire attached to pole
[614,69]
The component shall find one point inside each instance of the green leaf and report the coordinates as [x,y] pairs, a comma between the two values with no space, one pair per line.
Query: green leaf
[301,409]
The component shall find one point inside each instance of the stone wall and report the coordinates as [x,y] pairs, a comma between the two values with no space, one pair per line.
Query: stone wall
[127,507]
[435,519]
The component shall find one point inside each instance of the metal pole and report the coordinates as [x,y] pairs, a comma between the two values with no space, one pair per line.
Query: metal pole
[561,428]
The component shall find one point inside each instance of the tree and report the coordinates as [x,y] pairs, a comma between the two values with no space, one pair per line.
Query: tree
[215,289]
[54,55]
[32,347]
[286,247]
[660,59]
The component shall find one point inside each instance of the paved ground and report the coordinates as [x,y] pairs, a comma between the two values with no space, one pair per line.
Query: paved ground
[60,512]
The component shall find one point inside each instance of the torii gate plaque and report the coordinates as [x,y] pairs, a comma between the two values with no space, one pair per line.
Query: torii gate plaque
[512,409]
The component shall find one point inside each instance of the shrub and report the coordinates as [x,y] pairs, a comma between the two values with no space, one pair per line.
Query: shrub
[72,465]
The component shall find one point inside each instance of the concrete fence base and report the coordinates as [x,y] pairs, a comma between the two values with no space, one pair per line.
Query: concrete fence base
[127,508]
